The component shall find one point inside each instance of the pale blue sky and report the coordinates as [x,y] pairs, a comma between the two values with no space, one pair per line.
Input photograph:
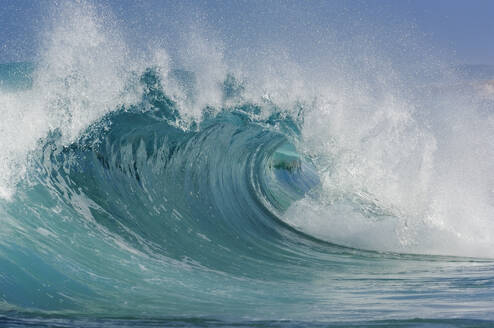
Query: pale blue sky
[461,31]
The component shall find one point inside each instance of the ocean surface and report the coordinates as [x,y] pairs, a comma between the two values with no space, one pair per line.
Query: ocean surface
[139,192]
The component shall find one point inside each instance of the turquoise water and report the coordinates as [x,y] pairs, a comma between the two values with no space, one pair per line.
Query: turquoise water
[138,193]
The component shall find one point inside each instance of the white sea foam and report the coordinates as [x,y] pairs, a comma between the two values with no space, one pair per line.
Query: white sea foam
[401,171]
[81,73]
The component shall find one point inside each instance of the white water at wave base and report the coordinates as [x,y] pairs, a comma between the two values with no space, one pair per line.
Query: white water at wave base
[409,173]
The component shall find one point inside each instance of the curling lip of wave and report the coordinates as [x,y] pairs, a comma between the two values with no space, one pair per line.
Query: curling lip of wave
[170,209]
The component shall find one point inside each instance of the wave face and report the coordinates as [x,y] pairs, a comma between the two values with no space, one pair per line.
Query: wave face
[135,189]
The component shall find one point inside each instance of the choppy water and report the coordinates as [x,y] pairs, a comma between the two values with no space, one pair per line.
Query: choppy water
[136,193]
